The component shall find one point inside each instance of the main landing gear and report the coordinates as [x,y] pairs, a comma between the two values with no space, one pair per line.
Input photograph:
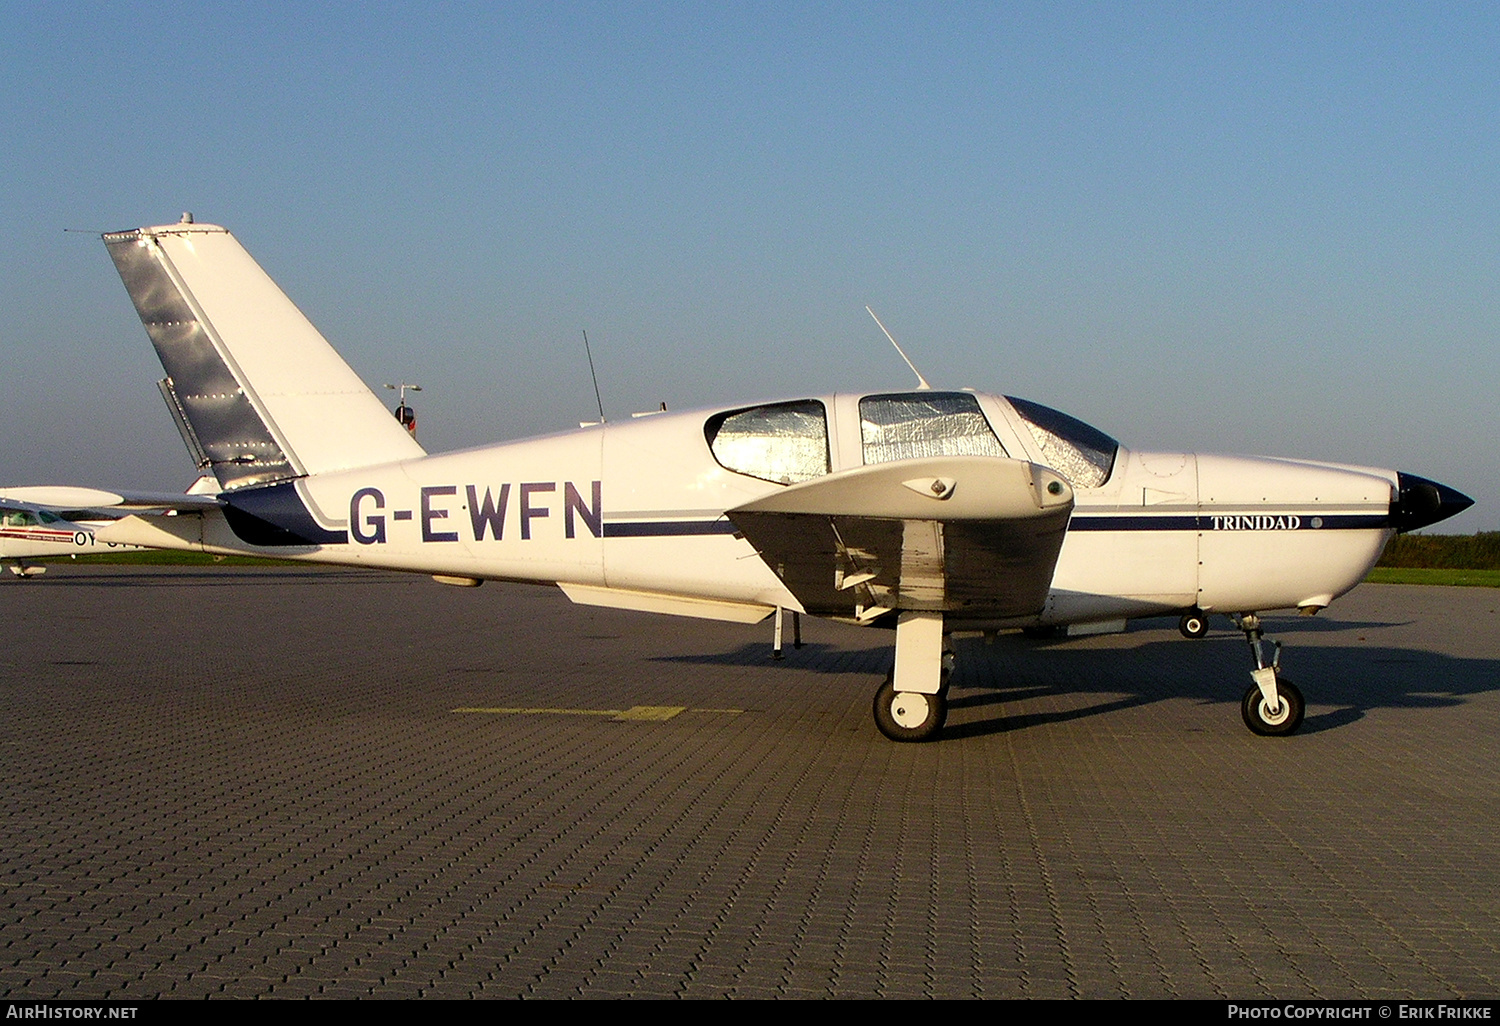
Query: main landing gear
[1273,706]
[909,715]
[912,702]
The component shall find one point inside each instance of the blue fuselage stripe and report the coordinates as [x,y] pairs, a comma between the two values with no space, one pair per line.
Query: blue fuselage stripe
[666,528]
[1234,522]
[1080,522]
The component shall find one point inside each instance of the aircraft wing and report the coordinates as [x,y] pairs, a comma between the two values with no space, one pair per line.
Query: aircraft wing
[67,497]
[973,535]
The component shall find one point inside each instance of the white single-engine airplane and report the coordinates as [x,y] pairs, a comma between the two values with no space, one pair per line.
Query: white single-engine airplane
[29,531]
[930,511]
[36,523]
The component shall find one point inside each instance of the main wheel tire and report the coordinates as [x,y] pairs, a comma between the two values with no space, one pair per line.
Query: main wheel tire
[1283,721]
[908,716]
[1193,624]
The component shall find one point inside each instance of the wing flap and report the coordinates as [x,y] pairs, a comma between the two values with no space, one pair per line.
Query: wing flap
[658,602]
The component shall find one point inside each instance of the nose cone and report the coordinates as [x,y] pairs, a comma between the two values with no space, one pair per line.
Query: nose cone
[1421,502]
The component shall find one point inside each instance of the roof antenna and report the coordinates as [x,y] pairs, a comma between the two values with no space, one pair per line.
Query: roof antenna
[922,385]
[595,377]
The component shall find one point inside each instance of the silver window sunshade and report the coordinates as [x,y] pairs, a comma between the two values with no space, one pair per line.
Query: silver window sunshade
[1083,454]
[914,425]
[782,442]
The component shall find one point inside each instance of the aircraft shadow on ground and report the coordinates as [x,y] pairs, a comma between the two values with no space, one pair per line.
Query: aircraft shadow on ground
[1276,626]
[1013,670]
[1354,680]
[813,655]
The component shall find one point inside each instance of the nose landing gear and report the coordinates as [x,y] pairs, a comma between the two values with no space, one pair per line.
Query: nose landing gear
[1273,706]
[1267,721]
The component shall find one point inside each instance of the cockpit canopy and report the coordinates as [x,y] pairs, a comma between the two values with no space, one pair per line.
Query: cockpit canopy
[787,442]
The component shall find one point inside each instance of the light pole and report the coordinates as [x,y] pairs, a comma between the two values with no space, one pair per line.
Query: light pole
[405,414]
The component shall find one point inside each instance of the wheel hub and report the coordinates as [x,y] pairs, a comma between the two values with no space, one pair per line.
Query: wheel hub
[1277,716]
[909,709]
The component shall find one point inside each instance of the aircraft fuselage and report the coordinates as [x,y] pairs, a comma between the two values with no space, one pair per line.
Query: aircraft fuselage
[624,513]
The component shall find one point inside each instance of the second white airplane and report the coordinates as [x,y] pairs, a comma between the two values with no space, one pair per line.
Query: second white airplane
[927,511]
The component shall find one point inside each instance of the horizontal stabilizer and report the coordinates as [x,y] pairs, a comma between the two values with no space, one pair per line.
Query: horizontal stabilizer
[71,497]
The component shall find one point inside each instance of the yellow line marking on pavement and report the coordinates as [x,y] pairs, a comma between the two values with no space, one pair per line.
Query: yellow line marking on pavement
[651,712]
[636,713]
[509,711]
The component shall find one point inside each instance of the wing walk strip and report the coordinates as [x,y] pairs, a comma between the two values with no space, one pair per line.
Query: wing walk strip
[635,714]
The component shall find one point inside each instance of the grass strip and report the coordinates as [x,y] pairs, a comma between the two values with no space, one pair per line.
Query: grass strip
[1454,578]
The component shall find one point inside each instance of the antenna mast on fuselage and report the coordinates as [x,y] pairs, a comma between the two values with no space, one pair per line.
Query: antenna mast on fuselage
[922,385]
[594,377]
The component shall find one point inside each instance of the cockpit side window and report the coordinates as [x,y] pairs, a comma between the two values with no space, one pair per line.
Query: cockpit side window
[1083,454]
[781,442]
[913,425]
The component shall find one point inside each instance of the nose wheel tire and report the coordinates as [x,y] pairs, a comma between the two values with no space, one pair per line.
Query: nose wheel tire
[907,715]
[1194,624]
[1268,722]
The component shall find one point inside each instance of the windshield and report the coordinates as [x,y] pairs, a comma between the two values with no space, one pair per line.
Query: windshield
[1083,454]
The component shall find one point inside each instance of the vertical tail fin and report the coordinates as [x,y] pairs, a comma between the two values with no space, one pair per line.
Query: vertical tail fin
[262,393]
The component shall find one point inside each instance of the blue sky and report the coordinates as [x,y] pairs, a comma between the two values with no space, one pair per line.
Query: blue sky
[1228,228]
